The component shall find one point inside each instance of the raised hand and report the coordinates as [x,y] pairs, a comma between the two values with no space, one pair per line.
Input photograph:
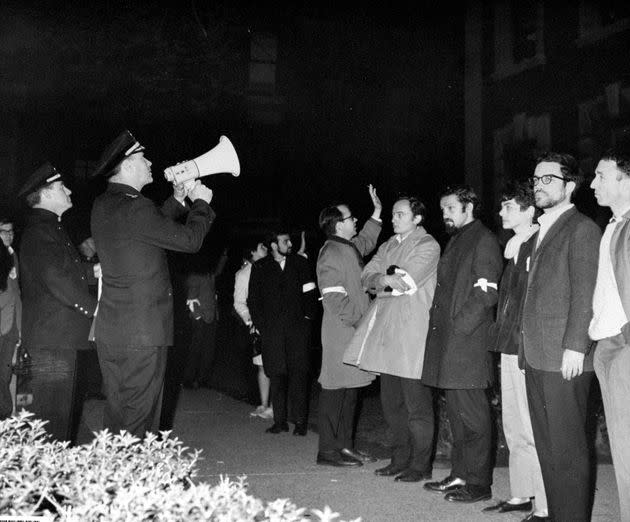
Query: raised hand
[378,206]
[200,191]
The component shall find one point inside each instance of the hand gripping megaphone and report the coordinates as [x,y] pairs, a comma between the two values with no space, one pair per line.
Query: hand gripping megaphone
[221,158]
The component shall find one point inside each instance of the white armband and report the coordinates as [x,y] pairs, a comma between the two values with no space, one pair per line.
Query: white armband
[334,290]
[308,287]
[483,283]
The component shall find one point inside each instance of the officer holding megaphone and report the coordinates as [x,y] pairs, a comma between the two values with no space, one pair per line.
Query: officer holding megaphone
[134,319]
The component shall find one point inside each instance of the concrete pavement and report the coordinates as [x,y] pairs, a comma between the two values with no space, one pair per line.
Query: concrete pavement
[283,466]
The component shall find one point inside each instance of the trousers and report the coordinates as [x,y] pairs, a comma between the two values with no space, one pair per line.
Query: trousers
[408,411]
[133,379]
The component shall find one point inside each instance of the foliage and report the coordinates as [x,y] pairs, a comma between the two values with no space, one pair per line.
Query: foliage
[120,478]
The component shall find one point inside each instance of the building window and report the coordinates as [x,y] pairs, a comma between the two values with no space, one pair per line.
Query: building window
[601,19]
[262,65]
[518,36]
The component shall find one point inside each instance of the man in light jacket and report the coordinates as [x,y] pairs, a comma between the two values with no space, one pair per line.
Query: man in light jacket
[611,310]
[390,338]
[339,266]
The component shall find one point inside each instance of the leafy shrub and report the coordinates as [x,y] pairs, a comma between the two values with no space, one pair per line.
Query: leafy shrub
[120,478]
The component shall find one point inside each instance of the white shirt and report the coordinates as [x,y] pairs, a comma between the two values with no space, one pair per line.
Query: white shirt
[547,219]
[608,313]
[241,291]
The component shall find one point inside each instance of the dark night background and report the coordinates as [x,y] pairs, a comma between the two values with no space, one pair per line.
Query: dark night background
[318,101]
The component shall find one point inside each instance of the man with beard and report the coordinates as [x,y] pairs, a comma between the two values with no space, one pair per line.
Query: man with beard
[457,358]
[555,351]
[282,301]
[339,266]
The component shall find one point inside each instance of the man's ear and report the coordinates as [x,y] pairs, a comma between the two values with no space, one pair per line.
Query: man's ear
[470,209]
[417,220]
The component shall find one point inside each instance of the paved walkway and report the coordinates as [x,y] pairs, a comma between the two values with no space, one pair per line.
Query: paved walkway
[283,466]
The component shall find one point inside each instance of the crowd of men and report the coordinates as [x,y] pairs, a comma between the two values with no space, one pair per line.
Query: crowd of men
[555,306]
[562,314]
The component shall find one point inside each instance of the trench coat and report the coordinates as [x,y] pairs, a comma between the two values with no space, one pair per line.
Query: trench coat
[131,236]
[459,337]
[391,335]
[339,266]
[282,304]
[57,307]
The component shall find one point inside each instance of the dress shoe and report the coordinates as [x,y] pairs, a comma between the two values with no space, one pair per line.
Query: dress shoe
[278,427]
[337,459]
[413,475]
[505,507]
[469,493]
[300,429]
[389,471]
[359,455]
[532,517]
[448,484]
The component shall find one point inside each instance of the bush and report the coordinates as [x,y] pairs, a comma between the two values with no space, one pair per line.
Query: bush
[120,478]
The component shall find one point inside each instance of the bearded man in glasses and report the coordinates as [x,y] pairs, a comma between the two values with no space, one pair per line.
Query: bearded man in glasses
[555,352]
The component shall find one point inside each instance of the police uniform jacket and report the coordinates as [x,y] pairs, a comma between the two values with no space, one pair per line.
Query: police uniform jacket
[57,308]
[131,235]
[457,355]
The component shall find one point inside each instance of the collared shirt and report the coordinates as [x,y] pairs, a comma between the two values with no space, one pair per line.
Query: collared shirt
[400,238]
[608,313]
[547,219]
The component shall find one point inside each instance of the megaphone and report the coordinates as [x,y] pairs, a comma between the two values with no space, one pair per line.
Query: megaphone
[221,158]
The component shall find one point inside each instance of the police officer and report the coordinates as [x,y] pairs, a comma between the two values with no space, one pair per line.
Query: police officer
[134,324]
[57,306]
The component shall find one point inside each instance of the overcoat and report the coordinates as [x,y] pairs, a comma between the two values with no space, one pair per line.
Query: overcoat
[57,308]
[559,299]
[131,235]
[282,304]
[391,335]
[457,355]
[339,267]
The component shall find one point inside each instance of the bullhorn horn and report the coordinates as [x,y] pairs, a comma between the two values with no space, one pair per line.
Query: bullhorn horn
[221,158]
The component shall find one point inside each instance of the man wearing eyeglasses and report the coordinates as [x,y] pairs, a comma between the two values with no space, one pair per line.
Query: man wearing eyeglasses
[555,350]
[339,266]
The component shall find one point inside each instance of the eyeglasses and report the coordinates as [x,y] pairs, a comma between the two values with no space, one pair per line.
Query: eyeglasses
[348,217]
[6,231]
[546,179]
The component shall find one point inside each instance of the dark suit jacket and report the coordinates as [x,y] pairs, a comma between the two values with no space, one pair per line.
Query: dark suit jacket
[559,300]
[456,354]
[131,235]
[57,307]
[620,256]
[279,308]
